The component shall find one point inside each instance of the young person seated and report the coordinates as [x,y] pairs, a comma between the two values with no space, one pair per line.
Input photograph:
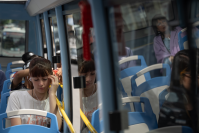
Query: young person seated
[178,107]
[40,96]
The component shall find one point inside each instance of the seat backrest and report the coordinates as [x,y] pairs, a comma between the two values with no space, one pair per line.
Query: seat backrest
[6,86]
[126,74]
[29,128]
[95,120]
[4,101]
[172,129]
[144,121]
[154,89]
[183,41]
[11,71]
[14,63]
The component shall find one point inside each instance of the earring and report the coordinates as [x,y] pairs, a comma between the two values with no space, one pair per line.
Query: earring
[30,79]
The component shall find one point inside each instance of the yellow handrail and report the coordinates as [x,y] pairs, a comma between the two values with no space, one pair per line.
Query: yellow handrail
[71,128]
[87,122]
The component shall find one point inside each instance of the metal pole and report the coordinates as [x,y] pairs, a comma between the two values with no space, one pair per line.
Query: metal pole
[48,35]
[40,48]
[65,64]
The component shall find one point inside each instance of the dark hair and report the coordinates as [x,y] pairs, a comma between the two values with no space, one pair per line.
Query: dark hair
[28,56]
[86,66]
[40,67]
[181,63]
[154,22]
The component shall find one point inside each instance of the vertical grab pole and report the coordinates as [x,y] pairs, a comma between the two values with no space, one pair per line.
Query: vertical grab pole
[48,36]
[40,48]
[65,63]
[105,63]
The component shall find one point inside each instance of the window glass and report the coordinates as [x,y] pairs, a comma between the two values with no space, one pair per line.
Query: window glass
[79,68]
[138,15]
[44,39]
[12,38]
[161,66]
[54,33]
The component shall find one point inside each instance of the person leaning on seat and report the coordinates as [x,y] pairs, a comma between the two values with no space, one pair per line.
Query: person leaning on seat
[17,78]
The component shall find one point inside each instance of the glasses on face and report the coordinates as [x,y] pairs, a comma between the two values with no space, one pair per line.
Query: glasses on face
[189,75]
[160,22]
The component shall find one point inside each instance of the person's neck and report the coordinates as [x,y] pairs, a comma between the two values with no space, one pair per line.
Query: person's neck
[39,96]
[89,91]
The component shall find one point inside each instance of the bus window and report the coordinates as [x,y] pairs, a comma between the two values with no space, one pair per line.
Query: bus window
[43,38]
[54,34]
[74,32]
[163,74]
[80,67]
[12,38]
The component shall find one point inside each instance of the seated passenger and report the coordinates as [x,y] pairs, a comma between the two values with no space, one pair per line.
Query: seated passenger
[166,40]
[17,78]
[41,97]
[177,109]
[2,79]
[89,94]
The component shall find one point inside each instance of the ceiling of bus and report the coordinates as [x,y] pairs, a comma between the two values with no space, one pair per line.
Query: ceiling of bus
[35,7]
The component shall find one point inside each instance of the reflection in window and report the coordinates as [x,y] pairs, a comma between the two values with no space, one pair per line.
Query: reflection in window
[74,32]
[139,15]
[12,38]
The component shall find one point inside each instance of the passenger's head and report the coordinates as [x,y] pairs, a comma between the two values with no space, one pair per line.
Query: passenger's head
[27,57]
[159,24]
[39,70]
[87,69]
[181,71]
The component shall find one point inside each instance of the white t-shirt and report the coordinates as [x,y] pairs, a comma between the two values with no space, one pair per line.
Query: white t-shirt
[90,104]
[23,100]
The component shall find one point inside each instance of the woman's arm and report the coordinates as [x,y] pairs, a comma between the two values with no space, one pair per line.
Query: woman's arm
[15,121]
[18,77]
[52,99]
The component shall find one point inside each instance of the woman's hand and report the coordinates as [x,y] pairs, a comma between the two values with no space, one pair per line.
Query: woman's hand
[54,84]
[171,58]
[59,74]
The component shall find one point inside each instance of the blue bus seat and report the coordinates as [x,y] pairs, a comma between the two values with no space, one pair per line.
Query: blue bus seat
[14,63]
[126,74]
[29,128]
[4,101]
[12,71]
[154,89]
[6,86]
[172,129]
[183,41]
[0,67]
[144,121]
[95,121]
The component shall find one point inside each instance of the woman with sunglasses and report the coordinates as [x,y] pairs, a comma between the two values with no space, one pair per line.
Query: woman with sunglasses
[178,107]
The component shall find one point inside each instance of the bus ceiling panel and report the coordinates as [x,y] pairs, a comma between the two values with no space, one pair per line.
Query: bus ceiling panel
[15,12]
[35,7]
